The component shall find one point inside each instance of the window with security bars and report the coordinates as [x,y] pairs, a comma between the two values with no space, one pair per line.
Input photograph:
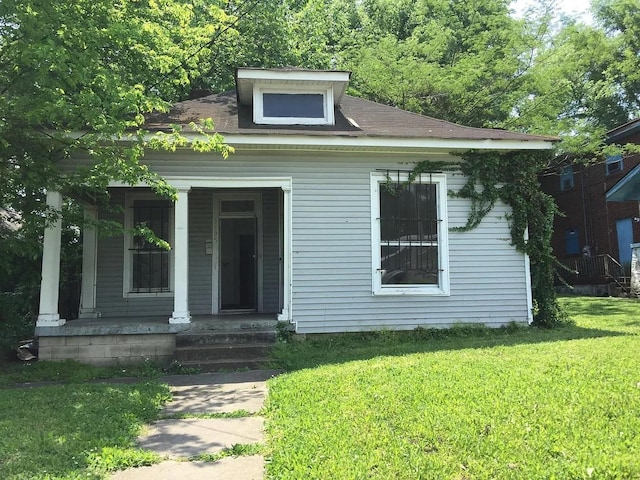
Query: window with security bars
[410,234]
[150,263]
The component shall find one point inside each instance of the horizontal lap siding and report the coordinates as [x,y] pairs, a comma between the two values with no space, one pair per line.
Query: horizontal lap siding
[331,246]
[200,263]
[110,301]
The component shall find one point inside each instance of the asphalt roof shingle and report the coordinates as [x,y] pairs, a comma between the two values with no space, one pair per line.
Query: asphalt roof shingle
[354,117]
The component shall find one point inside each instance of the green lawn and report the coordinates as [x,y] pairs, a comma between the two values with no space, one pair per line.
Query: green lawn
[74,431]
[468,403]
[465,404]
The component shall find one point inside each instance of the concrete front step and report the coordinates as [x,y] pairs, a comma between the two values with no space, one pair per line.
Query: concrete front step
[223,352]
[228,365]
[198,339]
[213,350]
[232,324]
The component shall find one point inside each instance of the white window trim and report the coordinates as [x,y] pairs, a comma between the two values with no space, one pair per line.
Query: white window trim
[443,286]
[614,160]
[258,105]
[127,278]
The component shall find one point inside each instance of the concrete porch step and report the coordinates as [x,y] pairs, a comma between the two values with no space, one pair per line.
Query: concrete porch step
[222,352]
[227,365]
[213,350]
[240,337]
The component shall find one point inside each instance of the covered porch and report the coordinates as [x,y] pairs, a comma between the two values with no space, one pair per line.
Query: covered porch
[229,266]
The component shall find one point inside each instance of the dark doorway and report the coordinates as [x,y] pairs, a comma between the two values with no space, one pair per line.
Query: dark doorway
[238,279]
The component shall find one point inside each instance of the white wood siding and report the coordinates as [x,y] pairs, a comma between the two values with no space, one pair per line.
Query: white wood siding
[200,263]
[331,244]
[109,298]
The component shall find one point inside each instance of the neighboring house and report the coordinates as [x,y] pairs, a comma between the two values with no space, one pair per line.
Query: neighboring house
[594,235]
[309,222]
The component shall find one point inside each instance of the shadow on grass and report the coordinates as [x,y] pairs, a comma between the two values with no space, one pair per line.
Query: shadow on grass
[86,431]
[323,349]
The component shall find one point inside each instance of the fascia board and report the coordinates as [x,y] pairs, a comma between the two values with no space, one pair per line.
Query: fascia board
[325,76]
[317,142]
[295,141]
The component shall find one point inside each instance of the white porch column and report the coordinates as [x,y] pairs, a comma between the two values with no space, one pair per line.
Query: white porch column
[285,315]
[181,258]
[89,264]
[48,315]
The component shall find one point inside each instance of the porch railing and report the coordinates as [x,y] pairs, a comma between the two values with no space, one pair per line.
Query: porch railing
[590,270]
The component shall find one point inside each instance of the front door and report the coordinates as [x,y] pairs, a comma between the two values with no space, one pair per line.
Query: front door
[238,264]
[237,257]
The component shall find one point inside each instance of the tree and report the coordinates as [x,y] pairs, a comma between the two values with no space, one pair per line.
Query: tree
[76,77]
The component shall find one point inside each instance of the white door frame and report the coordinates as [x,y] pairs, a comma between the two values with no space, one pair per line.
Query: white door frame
[285,184]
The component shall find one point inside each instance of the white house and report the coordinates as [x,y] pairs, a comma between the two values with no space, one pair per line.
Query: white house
[310,222]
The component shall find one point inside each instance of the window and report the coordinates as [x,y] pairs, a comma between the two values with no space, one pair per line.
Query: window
[566,178]
[614,164]
[294,106]
[147,269]
[409,235]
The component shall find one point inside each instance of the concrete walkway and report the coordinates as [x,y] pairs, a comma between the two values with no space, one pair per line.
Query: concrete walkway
[179,439]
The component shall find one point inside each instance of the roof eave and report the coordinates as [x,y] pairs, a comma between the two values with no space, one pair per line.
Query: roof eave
[627,189]
[387,143]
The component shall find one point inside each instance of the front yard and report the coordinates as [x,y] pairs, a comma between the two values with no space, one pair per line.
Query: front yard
[523,404]
[461,404]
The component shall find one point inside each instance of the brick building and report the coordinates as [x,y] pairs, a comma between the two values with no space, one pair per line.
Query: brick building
[592,226]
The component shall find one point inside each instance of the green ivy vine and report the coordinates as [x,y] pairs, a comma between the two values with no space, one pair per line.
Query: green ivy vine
[512,177]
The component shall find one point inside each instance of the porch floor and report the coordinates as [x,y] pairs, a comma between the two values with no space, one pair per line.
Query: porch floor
[159,325]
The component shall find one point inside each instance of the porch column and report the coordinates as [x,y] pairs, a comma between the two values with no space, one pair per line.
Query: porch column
[48,315]
[181,258]
[285,315]
[89,264]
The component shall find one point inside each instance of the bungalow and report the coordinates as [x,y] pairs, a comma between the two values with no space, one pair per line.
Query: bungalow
[311,222]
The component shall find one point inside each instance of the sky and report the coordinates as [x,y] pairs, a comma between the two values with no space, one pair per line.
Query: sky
[579,8]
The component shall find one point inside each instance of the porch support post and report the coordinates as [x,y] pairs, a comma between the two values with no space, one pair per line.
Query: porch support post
[48,315]
[181,258]
[89,264]
[285,315]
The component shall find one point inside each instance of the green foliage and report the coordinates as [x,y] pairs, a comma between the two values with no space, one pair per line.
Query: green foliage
[75,431]
[236,450]
[525,404]
[110,459]
[513,179]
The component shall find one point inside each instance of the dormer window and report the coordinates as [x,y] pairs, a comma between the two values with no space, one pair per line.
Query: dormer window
[291,96]
[277,106]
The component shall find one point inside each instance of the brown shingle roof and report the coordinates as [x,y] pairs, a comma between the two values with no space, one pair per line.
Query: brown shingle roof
[355,117]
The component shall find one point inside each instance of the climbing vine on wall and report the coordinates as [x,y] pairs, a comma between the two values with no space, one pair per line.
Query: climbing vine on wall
[512,177]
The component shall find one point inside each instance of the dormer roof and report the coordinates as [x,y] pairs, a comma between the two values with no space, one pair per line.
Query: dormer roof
[248,77]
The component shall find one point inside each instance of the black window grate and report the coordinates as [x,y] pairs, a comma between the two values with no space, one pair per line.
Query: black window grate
[151,263]
[409,227]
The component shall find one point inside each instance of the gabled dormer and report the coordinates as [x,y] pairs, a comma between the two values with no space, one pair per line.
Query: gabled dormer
[291,96]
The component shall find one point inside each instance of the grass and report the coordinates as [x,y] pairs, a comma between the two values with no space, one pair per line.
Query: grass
[71,371]
[516,403]
[466,403]
[75,431]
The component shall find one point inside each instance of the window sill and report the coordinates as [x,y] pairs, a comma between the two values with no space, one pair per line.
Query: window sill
[148,295]
[413,291]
